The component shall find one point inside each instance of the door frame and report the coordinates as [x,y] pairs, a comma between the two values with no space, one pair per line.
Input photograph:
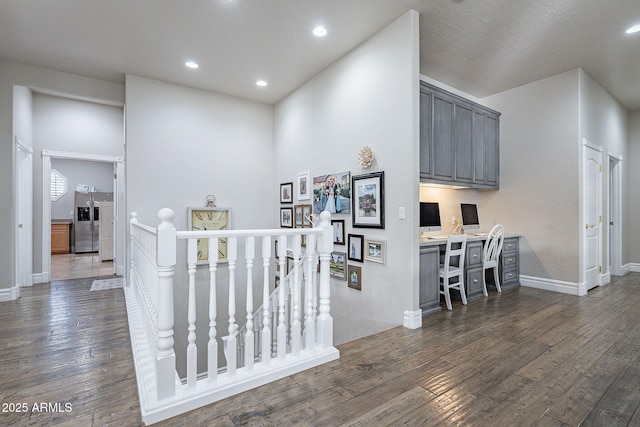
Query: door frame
[23,216]
[615,214]
[118,195]
[583,285]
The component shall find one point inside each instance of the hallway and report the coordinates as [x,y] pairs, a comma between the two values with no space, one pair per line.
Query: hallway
[77,266]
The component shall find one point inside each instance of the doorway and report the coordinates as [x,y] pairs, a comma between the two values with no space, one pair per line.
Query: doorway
[615,215]
[91,262]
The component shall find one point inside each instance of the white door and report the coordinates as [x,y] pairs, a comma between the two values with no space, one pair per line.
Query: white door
[592,213]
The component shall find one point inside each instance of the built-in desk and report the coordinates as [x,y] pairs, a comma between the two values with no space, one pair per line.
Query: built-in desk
[431,251]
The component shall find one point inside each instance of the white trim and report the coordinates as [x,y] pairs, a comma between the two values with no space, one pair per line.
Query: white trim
[412,319]
[9,294]
[40,278]
[592,145]
[632,267]
[560,286]
[606,279]
[615,200]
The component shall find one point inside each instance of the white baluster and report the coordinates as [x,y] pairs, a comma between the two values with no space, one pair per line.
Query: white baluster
[232,256]
[282,327]
[325,247]
[212,349]
[192,350]
[249,355]
[274,321]
[166,260]
[266,329]
[309,321]
[296,326]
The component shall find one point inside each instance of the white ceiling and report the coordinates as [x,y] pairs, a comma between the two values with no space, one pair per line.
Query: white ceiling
[478,46]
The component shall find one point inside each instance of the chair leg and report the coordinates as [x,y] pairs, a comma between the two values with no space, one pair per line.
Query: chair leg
[484,282]
[462,293]
[496,278]
[447,296]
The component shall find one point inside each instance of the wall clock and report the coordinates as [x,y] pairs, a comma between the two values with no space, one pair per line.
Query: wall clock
[210,218]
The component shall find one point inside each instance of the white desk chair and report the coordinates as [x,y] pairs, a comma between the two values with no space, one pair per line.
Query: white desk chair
[453,268]
[491,256]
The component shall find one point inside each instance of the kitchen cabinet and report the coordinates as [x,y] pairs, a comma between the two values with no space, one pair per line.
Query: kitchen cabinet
[60,238]
[459,140]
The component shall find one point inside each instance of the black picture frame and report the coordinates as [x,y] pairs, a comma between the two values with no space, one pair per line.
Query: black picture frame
[338,231]
[368,200]
[356,247]
[286,192]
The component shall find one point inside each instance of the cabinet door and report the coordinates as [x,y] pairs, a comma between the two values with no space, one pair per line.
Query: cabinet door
[443,137]
[493,152]
[429,281]
[463,143]
[426,147]
[480,147]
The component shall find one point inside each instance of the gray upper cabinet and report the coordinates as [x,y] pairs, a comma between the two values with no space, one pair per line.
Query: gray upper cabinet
[459,140]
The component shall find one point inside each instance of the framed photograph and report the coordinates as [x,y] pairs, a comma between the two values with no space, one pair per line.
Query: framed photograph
[299,215]
[368,200]
[286,192]
[332,193]
[306,216]
[354,276]
[337,267]
[209,218]
[286,217]
[375,250]
[356,245]
[338,231]
[304,186]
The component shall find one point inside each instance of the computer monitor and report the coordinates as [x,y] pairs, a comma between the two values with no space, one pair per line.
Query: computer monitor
[430,216]
[470,220]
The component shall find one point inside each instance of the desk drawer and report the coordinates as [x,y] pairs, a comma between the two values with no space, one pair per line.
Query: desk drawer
[474,254]
[509,261]
[510,276]
[510,245]
[473,282]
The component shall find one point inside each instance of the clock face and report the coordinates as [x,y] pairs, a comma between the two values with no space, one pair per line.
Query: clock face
[210,219]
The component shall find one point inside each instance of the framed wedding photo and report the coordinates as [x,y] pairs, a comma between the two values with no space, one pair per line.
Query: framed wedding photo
[375,250]
[368,200]
[356,245]
[286,192]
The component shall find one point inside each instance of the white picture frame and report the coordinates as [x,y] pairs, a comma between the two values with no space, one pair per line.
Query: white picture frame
[375,250]
[303,186]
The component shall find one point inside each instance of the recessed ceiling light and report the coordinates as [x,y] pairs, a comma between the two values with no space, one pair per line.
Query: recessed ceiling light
[319,31]
[261,83]
[633,29]
[191,64]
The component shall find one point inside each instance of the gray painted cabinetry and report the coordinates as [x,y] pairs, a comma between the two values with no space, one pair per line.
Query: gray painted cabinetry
[459,140]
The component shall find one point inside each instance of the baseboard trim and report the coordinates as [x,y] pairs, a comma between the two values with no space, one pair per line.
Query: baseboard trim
[553,285]
[606,279]
[9,294]
[632,267]
[412,319]
[40,278]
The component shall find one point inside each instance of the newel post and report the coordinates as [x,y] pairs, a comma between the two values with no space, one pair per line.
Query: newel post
[325,247]
[166,259]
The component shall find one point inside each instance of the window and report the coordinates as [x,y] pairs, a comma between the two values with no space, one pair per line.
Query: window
[58,185]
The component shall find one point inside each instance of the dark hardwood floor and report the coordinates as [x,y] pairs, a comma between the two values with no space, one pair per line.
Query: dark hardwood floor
[525,357]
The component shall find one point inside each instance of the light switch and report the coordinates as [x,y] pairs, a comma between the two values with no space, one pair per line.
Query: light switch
[401,212]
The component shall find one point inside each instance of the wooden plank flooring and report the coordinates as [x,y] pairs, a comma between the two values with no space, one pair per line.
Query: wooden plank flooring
[525,357]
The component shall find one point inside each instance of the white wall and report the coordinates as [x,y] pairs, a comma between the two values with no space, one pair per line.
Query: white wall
[55,82]
[369,97]
[70,125]
[183,144]
[604,122]
[539,179]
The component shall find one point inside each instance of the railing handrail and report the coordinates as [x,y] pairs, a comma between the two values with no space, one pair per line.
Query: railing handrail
[246,233]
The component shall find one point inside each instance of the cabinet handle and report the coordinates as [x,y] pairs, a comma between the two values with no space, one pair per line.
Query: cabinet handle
[475,280]
[510,259]
[475,255]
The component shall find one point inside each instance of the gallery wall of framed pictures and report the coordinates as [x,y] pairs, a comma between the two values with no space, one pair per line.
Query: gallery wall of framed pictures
[358,198]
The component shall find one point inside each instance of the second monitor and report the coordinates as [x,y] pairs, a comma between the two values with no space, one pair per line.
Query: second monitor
[470,220]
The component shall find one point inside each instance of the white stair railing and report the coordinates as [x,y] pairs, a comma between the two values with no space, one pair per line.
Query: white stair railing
[291,332]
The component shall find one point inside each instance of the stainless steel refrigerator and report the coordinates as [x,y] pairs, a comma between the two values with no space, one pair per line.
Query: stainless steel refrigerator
[86,220]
